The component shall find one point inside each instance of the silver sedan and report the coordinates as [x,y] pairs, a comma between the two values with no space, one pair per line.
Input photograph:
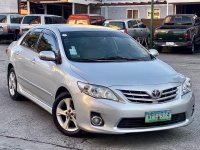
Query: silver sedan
[97,80]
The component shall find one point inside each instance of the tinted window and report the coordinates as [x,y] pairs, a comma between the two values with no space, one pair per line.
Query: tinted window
[116,25]
[47,43]
[96,21]
[32,20]
[3,19]
[178,20]
[31,39]
[54,20]
[84,46]
[132,24]
[16,19]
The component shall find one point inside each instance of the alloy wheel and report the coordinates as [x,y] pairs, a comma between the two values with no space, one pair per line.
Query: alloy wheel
[12,84]
[66,115]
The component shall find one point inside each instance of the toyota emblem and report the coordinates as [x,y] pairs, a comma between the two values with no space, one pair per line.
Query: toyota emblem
[156,94]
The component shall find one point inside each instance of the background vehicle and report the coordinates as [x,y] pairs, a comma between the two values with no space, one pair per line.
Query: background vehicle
[33,20]
[182,30]
[10,25]
[86,19]
[133,27]
[60,68]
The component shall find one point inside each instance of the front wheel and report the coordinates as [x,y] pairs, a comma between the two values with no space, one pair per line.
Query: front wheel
[12,85]
[64,115]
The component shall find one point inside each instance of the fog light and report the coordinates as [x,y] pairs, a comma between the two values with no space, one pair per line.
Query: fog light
[96,119]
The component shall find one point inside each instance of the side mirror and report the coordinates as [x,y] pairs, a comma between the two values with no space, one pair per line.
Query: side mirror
[47,56]
[154,52]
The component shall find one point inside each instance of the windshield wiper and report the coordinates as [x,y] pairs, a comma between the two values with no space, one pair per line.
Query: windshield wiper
[119,58]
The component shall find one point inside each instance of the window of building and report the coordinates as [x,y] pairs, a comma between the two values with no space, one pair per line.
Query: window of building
[132,14]
[156,13]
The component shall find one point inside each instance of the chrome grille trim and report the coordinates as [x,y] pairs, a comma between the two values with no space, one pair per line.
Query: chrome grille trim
[143,96]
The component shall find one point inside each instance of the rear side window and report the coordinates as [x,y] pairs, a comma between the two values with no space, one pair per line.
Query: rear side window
[16,19]
[47,43]
[132,24]
[3,18]
[31,39]
[54,20]
[32,20]
[117,25]
[97,21]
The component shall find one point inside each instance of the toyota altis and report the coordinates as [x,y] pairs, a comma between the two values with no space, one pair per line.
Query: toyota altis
[98,80]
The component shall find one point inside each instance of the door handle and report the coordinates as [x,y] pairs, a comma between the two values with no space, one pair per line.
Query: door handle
[33,61]
[17,52]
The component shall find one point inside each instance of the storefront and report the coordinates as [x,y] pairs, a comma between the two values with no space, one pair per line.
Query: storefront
[61,7]
[186,6]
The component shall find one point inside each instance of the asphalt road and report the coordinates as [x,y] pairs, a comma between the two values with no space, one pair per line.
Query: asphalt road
[24,125]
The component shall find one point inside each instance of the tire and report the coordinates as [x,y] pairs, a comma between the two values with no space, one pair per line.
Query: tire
[12,85]
[192,49]
[63,109]
[159,49]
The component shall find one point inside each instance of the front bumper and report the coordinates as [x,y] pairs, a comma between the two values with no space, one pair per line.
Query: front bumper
[112,113]
[175,44]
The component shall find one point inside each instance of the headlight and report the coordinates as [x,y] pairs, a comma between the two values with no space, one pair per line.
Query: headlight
[186,87]
[96,91]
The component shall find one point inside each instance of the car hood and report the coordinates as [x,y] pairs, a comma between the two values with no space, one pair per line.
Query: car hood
[126,73]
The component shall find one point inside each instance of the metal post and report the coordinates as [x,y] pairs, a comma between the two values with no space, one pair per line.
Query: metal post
[152,27]
[45,8]
[167,8]
[88,9]
[73,8]
[28,8]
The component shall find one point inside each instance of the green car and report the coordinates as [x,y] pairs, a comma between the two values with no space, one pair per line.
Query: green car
[181,30]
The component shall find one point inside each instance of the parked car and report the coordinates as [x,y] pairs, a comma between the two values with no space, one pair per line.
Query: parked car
[86,19]
[181,30]
[33,20]
[9,25]
[98,80]
[134,27]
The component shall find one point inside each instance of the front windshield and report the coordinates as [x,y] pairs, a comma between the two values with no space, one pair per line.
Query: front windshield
[178,20]
[102,46]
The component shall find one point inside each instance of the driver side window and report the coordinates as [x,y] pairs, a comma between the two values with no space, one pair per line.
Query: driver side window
[47,43]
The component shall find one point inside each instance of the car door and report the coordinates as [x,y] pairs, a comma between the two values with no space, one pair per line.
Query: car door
[143,29]
[133,29]
[25,61]
[44,73]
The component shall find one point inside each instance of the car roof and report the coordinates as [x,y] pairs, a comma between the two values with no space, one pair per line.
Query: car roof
[86,15]
[42,15]
[68,28]
[122,20]
[10,14]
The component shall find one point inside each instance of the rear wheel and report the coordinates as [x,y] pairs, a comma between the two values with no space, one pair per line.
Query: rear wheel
[159,49]
[64,115]
[192,49]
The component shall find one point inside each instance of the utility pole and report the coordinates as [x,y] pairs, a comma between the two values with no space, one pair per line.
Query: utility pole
[152,26]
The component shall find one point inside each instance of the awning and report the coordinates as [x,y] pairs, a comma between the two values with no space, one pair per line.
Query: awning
[183,1]
[48,1]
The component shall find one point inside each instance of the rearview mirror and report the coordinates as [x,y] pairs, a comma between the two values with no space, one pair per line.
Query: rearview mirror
[154,52]
[47,55]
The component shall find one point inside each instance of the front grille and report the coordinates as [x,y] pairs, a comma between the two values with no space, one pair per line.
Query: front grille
[140,122]
[143,97]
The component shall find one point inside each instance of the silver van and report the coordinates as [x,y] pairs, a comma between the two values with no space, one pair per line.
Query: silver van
[10,25]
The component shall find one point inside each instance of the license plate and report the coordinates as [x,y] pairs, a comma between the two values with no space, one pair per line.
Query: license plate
[158,116]
[169,43]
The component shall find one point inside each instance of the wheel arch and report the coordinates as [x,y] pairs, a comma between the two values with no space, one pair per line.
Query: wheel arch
[10,66]
[60,90]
